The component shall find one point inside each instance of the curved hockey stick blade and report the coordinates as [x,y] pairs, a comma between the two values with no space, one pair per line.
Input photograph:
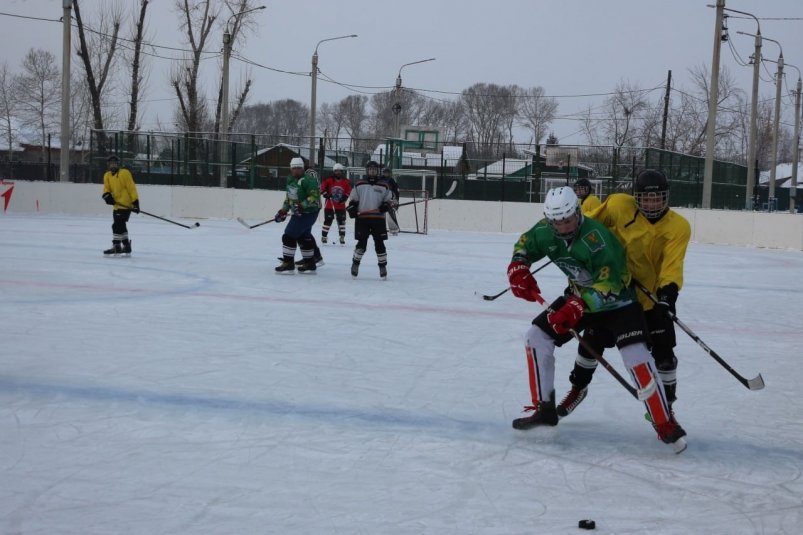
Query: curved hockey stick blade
[756,383]
[241,221]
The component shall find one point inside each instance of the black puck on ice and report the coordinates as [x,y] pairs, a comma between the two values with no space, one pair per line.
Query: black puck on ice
[587,524]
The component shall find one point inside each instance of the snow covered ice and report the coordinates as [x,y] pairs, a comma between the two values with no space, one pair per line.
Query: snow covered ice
[189,389]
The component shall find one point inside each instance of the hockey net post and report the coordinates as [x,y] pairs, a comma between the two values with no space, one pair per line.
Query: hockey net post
[413,211]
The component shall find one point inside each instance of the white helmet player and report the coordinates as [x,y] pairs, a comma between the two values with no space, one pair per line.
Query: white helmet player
[562,211]
[297,162]
[338,167]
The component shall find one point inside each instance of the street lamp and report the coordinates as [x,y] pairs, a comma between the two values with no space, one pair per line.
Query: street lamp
[796,146]
[776,124]
[224,100]
[397,105]
[314,91]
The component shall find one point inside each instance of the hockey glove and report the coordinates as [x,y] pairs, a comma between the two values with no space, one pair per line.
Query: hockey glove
[327,195]
[522,282]
[384,207]
[668,296]
[567,316]
[135,206]
[280,216]
[298,209]
[108,198]
[353,210]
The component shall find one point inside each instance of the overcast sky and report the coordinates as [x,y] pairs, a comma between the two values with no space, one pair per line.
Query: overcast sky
[569,47]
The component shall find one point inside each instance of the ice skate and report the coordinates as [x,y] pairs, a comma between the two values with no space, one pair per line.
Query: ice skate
[355,269]
[383,272]
[286,267]
[543,414]
[671,433]
[342,240]
[127,247]
[571,400]
[115,250]
[307,266]
[324,239]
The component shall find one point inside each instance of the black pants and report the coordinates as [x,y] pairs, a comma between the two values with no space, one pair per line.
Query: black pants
[119,227]
[373,227]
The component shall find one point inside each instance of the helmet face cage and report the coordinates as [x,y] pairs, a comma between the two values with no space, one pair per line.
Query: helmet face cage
[652,194]
[372,169]
[561,205]
[582,188]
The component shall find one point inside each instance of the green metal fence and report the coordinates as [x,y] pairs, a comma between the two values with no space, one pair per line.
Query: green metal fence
[503,172]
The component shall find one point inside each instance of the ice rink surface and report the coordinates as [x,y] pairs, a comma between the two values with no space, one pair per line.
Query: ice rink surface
[190,390]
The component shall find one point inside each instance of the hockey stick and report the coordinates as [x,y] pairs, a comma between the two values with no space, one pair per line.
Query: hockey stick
[500,294]
[246,225]
[641,394]
[756,383]
[165,219]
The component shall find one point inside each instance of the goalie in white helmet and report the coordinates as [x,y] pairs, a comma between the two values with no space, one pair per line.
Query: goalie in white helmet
[599,298]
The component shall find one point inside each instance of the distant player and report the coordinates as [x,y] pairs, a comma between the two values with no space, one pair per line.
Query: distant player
[655,238]
[599,299]
[303,202]
[369,201]
[588,201]
[336,190]
[120,191]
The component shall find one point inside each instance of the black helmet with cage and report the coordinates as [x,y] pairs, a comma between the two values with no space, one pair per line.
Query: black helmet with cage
[372,170]
[582,188]
[651,191]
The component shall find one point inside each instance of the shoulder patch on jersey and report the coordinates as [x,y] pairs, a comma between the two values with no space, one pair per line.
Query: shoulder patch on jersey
[594,241]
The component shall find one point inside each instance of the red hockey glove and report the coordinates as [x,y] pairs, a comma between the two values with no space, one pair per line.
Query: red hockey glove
[567,316]
[280,216]
[522,282]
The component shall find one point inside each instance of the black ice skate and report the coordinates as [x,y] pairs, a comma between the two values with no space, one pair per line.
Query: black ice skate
[127,247]
[383,272]
[571,400]
[543,414]
[324,239]
[287,266]
[116,249]
[307,266]
[355,269]
[318,261]
[342,240]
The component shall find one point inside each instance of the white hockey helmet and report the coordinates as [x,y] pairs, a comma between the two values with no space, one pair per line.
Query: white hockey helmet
[561,204]
[297,162]
[338,167]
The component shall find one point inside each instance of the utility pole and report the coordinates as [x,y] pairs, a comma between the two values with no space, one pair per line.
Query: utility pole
[224,107]
[313,106]
[666,109]
[751,143]
[775,126]
[795,149]
[711,128]
[66,49]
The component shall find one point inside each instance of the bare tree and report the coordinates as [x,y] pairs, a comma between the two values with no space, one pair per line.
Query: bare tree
[353,111]
[8,109]
[536,112]
[37,91]
[197,20]
[241,24]
[288,119]
[97,49]
[80,112]
[137,76]
[488,115]
[331,122]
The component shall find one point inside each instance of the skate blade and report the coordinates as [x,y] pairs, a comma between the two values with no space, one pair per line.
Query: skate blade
[679,446]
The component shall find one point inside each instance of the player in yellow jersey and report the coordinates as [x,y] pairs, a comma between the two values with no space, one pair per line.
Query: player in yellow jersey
[588,201]
[655,238]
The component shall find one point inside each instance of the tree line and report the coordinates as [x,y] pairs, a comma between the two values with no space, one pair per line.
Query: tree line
[113,64]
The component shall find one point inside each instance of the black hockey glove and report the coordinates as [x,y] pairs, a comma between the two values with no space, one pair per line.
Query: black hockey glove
[384,207]
[668,296]
[353,209]
[135,206]
[326,195]
[108,198]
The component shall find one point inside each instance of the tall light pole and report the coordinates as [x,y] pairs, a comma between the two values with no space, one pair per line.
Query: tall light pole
[66,46]
[796,145]
[314,94]
[397,94]
[224,98]
[710,140]
[776,124]
[752,134]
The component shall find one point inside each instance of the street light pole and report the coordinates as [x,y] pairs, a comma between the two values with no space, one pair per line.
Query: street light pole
[224,97]
[796,146]
[752,134]
[397,94]
[313,104]
[775,125]
[710,140]
[66,45]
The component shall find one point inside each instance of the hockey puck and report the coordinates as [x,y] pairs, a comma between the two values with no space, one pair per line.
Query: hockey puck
[197,224]
[587,524]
